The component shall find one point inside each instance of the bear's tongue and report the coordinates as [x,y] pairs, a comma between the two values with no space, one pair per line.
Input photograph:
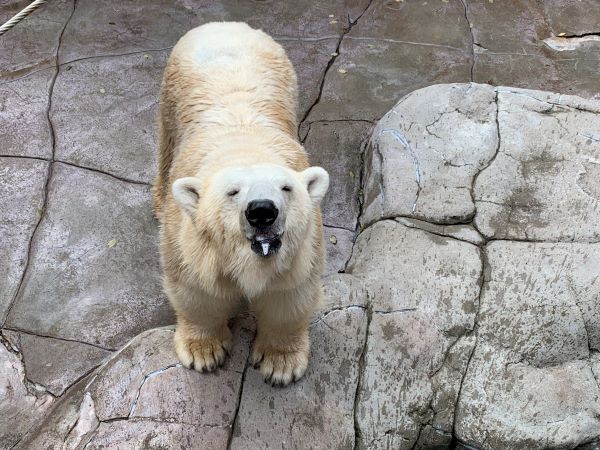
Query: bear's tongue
[266,243]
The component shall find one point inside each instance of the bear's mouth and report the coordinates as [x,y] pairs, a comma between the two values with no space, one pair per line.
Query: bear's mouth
[265,244]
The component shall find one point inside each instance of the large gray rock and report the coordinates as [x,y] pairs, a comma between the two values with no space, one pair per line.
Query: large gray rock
[425,153]
[530,382]
[424,293]
[543,183]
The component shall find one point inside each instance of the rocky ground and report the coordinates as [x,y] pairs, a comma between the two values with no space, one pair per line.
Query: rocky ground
[462,225]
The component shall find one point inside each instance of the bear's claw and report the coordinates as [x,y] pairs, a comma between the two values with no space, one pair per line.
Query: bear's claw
[280,368]
[202,355]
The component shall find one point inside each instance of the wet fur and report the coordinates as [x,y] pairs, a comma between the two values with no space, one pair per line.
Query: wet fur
[210,118]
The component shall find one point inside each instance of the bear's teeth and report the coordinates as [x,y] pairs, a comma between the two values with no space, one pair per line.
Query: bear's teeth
[265,248]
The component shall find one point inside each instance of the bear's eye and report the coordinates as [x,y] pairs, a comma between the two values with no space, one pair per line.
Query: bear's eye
[233,192]
[287,189]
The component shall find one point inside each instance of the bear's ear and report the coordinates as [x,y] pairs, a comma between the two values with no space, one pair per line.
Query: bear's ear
[316,180]
[186,192]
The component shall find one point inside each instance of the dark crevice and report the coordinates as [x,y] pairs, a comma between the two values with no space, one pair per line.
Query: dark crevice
[334,56]
[30,333]
[576,36]
[234,422]
[361,370]
[464,3]
[67,163]
[482,282]
[102,172]
[48,175]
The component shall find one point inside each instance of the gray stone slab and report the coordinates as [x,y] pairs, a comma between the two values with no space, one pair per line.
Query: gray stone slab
[544,184]
[23,115]
[510,49]
[506,404]
[338,243]
[94,275]
[118,27]
[33,43]
[310,58]
[571,74]
[548,316]
[446,23]
[22,184]
[113,130]
[20,409]
[142,397]
[425,153]
[55,364]
[317,411]
[572,17]
[336,146]
[382,71]
[530,382]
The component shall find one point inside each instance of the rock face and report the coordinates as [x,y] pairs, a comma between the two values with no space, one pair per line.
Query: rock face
[467,314]
[496,167]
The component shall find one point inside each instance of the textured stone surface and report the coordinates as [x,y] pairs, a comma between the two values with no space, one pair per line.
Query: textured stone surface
[129,26]
[33,44]
[22,184]
[93,274]
[424,295]
[509,46]
[533,360]
[21,408]
[384,70]
[318,407]
[572,17]
[55,364]
[23,115]
[338,243]
[544,182]
[336,146]
[530,382]
[309,57]
[113,130]
[419,163]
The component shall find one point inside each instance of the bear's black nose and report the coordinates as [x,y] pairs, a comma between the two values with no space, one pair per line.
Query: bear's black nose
[261,213]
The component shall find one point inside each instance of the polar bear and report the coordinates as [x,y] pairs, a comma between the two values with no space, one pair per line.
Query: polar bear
[238,204]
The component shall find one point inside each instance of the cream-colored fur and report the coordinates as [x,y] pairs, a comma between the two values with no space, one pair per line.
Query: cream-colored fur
[227,131]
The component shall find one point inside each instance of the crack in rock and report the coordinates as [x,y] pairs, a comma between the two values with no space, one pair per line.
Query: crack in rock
[402,140]
[147,377]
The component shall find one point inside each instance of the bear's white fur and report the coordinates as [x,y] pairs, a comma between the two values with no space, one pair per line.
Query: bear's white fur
[228,139]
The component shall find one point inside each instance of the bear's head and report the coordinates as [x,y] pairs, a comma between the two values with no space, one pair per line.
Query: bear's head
[267,207]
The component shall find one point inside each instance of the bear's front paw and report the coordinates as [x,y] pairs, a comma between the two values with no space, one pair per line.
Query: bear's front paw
[203,354]
[280,367]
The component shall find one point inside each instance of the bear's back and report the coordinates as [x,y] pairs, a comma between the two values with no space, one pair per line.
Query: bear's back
[233,75]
